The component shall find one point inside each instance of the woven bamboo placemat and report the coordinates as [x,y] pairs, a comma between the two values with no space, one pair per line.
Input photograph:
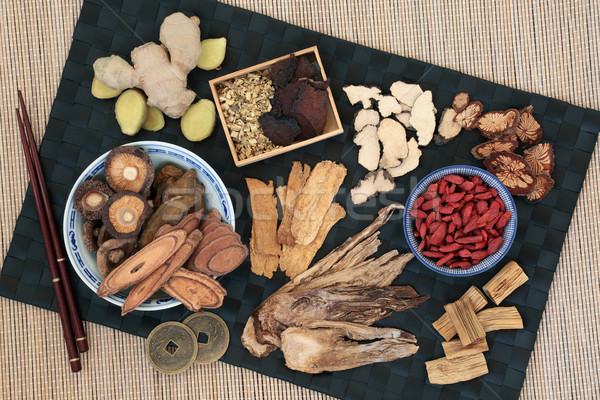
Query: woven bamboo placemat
[545,48]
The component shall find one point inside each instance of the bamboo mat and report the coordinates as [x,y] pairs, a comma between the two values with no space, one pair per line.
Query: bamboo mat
[548,47]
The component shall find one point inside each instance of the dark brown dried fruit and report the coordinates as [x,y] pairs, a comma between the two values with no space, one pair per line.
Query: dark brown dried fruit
[540,158]
[280,131]
[512,170]
[483,150]
[129,168]
[282,71]
[529,130]
[125,213]
[305,68]
[90,232]
[310,110]
[90,197]
[543,184]
[494,124]
[467,118]
[461,100]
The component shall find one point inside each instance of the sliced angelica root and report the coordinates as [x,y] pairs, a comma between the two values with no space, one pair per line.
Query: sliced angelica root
[130,111]
[101,91]
[199,120]
[212,54]
[155,120]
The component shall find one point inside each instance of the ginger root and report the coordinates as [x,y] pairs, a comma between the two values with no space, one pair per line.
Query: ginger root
[159,70]
[130,111]
[101,91]
[199,120]
[155,120]
[212,54]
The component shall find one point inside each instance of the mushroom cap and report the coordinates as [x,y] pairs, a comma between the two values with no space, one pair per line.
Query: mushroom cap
[129,168]
[125,213]
[90,197]
[90,233]
[112,253]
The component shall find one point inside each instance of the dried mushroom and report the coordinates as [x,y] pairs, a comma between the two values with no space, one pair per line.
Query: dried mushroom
[368,154]
[392,136]
[388,105]
[447,128]
[125,213]
[406,93]
[512,170]
[422,118]
[460,101]
[362,94]
[90,233]
[103,235]
[540,158]
[410,162]
[529,130]
[543,184]
[112,253]
[283,70]
[484,150]
[373,183]
[90,197]
[281,131]
[494,124]
[365,117]
[129,168]
[467,118]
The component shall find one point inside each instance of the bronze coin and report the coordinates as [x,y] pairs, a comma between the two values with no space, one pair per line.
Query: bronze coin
[211,334]
[171,347]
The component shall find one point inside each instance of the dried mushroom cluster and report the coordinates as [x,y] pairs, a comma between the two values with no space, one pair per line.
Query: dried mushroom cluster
[412,109]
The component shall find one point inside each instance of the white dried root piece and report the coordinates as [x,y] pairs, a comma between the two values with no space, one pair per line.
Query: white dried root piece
[362,94]
[410,162]
[366,117]
[373,183]
[392,136]
[422,118]
[468,117]
[388,105]
[494,124]
[406,93]
[461,100]
[404,118]
[368,154]
[447,128]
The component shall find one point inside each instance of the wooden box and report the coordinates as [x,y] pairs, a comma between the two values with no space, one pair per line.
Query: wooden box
[333,126]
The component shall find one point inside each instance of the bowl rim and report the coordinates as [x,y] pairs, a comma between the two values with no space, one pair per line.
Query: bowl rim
[92,169]
[509,231]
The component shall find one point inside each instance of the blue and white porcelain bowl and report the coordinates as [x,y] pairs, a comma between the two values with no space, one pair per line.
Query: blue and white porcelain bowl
[467,171]
[84,261]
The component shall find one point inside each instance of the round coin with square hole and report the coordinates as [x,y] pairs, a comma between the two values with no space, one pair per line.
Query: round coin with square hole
[211,334]
[171,347]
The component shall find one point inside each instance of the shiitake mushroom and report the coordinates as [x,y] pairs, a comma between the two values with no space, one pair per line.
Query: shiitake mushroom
[129,168]
[90,197]
[91,230]
[124,214]
[112,253]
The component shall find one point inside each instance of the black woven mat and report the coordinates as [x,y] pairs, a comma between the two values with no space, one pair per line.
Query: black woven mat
[82,127]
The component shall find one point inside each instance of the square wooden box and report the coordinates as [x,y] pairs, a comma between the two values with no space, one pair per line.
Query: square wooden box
[333,126]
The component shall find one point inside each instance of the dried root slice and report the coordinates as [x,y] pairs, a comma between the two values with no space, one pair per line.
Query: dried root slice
[296,180]
[510,277]
[130,111]
[189,223]
[512,170]
[543,185]
[460,102]
[165,174]
[467,118]
[155,120]
[463,317]
[528,130]
[90,197]
[368,154]
[444,371]
[362,94]
[219,256]
[526,110]
[410,162]
[404,118]
[199,120]
[406,93]
[422,118]
[129,168]
[392,136]
[447,128]
[483,150]
[365,117]
[212,53]
[498,318]
[388,105]
[373,183]
[195,290]
[101,91]
[444,324]
[142,263]
[112,253]
[170,212]
[540,158]
[264,216]
[494,124]
[124,214]
[454,348]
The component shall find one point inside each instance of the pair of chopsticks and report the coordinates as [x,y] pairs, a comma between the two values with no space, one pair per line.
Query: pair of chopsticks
[72,327]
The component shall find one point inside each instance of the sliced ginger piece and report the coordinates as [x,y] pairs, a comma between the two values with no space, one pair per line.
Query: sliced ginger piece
[155,120]
[130,111]
[101,91]
[212,53]
[199,120]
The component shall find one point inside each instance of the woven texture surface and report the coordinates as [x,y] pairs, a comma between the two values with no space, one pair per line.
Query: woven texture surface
[544,51]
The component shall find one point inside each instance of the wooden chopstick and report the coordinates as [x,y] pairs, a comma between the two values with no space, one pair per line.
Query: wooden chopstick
[61,259]
[74,360]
